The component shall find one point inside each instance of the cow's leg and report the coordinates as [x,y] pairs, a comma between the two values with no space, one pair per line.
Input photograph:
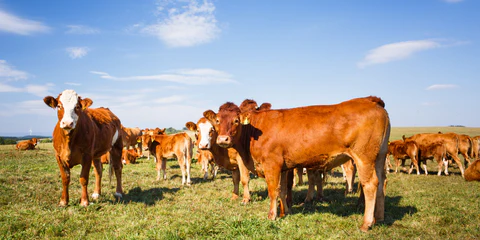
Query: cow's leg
[158,166]
[445,164]
[86,165]
[97,167]
[459,163]
[272,178]
[236,182]
[397,163]
[312,178]
[319,183]
[286,183]
[349,172]
[182,162]
[65,174]
[245,179]
[425,167]
[116,164]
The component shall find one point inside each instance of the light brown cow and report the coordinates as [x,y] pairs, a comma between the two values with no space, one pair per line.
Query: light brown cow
[465,147]
[402,150]
[225,158]
[153,131]
[450,141]
[81,136]
[129,156]
[130,136]
[207,161]
[316,137]
[475,146]
[27,144]
[165,147]
[473,171]
[435,150]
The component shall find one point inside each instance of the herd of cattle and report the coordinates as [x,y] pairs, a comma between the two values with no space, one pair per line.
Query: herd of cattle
[250,139]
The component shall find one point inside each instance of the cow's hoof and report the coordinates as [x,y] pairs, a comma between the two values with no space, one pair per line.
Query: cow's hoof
[95,195]
[118,195]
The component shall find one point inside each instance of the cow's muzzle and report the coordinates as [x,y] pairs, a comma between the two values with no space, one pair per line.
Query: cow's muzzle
[224,141]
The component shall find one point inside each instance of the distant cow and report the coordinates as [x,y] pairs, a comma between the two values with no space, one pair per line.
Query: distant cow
[316,137]
[437,151]
[402,150]
[27,144]
[165,147]
[130,136]
[473,171]
[475,146]
[129,156]
[81,136]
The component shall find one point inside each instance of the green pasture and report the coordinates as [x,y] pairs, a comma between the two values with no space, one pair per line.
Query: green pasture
[417,206]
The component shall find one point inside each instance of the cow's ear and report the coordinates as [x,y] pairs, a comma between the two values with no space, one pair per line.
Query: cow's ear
[50,101]
[245,118]
[87,102]
[210,116]
[265,106]
[191,126]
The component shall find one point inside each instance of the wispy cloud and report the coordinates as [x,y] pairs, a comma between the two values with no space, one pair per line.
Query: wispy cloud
[453,1]
[37,90]
[81,30]
[397,51]
[77,52]
[171,99]
[186,76]
[73,84]
[8,72]
[13,24]
[187,26]
[441,86]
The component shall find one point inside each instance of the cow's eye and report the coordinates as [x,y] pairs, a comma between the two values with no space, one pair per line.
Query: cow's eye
[218,121]
[236,121]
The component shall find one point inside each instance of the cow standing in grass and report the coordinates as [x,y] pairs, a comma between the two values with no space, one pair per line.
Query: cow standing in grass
[81,136]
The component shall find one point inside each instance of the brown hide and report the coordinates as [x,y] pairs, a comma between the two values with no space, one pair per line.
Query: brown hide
[165,147]
[27,144]
[316,137]
[129,156]
[97,131]
[129,137]
[475,146]
[473,171]
[450,140]
[402,150]
[225,158]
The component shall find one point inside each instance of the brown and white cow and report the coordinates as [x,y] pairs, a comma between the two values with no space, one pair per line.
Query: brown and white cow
[81,136]
[27,144]
[225,158]
[165,147]
[472,173]
[450,141]
[317,137]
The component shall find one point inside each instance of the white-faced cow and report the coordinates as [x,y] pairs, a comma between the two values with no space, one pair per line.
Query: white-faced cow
[81,136]
[316,137]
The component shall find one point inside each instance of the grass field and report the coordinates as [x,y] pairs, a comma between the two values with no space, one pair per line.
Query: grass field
[417,207]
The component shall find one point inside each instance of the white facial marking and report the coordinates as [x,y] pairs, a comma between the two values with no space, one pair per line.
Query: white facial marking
[69,100]
[204,131]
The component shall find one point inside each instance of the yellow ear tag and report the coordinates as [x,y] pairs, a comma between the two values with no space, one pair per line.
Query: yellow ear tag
[139,140]
[153,139]
[246,121]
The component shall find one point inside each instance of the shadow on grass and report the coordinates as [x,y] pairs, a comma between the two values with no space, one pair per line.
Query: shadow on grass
[335,202]
[148,196]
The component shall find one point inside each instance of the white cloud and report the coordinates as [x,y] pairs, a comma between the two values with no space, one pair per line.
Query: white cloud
[396,51]
[186,76]
[171,99]
[37,90]
[441,86]
[35,107]
[77,52]
[81,29]
[8,72]
[188,26]
[13,24]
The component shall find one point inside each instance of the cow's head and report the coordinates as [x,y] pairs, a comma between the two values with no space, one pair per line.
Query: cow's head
[146,140]
[69,106]
[204,133]
[35,141]
[227,123]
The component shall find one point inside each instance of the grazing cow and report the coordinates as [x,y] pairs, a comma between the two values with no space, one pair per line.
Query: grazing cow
[27,144]
[129,156]
[437,151]
[226,158]
[81,136]
[402,150]
[316,137]
[206,160]
[450,140]
[473,171]
[165,147]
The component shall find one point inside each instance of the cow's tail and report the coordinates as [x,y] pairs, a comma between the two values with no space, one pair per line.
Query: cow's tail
[110,169]
[187,152]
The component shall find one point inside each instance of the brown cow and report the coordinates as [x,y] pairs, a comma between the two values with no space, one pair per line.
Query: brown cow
[165,147]
[473,171]
[155,131]
[475,146]
[27,144]
[207,161]
[317,137]
[226,158]
[450,141]
[437,151]
[129,156]
[130,136]
[402,150]
[81,136]
[465,147]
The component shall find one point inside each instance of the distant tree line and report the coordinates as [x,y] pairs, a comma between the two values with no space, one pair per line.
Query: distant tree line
[456,126]
[13,140]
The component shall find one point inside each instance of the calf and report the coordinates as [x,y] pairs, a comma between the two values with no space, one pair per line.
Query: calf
[402,150]
[129,156]
[164,147]
[27,144]
[130,136]
[81,136]
[317,137]
[473,171]
[207,161]
[437,151]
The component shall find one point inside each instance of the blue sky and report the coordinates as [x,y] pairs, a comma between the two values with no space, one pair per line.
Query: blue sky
[163,63]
